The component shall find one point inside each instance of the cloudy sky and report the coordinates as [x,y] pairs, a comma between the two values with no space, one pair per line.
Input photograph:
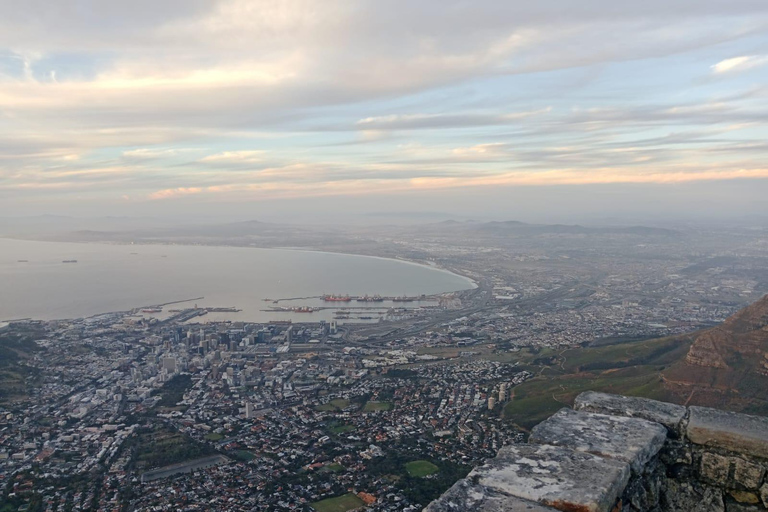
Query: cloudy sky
[245,107]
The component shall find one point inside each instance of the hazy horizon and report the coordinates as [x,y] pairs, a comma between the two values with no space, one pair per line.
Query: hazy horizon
[553,112]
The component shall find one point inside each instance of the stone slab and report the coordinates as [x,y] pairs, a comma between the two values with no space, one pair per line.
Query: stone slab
[565,479]
[731,431]
[465,496]
[669,415]
[632,440]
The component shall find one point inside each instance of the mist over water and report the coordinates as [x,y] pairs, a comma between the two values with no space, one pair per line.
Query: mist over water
[121,277]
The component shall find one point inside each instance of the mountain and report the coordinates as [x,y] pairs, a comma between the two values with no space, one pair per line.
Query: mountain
[727,365]
[517,228]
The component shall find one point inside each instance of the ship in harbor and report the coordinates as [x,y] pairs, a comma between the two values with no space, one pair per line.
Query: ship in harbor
[337,298]
[373,298]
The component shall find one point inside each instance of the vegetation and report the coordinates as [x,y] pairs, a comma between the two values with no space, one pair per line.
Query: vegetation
[162,446]
[421,490]
[628,368]
[421,468]
[15,377]
[334,405]
[242,455]
[173,391]
[377,406]
[338,504]
[340,428]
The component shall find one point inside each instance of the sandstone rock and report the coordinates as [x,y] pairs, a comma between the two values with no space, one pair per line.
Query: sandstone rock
[715,468]
[669,415]
[465,496]
[704,350]
[732,505]
[747,474]
[631,440]
[565,479]
[738,433]
[749,498]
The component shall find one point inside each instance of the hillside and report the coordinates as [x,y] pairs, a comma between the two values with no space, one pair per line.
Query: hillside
[725,366]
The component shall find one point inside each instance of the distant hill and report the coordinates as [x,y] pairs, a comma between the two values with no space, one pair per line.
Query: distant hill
[727,366]
[513,227]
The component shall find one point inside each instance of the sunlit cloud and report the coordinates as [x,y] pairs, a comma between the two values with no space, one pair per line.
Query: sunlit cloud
[175,192]
[235,99]
[737,64]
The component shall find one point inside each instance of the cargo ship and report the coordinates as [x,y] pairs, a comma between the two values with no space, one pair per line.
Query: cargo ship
[337,298]
[69,261]
[366,298]
[151,310]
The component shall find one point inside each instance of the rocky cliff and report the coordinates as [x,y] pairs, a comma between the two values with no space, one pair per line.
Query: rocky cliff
[727,366]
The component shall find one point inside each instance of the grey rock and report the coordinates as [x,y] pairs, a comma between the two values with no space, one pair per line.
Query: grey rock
[631,440]
[682,496]
[739,433]
[764,495]
[734,506]
[676,451]
[558,477]
[669,415]
[465,496]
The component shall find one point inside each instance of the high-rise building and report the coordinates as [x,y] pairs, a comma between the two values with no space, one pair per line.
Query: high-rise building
[491,402]
[169,363]
[503,392]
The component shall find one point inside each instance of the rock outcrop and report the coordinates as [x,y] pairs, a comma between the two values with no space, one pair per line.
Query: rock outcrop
[614,453]
[727,365]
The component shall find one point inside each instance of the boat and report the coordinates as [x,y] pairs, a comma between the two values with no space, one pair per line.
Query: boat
[337,298]
[22,261]
[366,298]
[69,261]
[151,310]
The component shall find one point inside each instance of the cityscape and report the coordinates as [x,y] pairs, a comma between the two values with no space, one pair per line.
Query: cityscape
[158,408]
[383,256]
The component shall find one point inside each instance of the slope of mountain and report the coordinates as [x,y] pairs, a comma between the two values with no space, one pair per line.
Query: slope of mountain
[724,367]
[727,365]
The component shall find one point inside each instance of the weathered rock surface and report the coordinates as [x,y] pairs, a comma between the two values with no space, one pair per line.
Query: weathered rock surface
[691,497]
[558,477]
[669,415]
[465,496]
[631,440]
[729,431]
[634,455]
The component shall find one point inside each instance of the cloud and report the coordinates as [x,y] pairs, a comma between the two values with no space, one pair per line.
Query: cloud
[246,156]
[169,193]
[738,64]
[328,91]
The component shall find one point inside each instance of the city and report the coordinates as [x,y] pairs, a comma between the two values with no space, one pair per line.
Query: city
[129,411]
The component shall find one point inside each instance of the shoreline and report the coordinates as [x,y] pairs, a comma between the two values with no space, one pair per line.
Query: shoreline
[434,267]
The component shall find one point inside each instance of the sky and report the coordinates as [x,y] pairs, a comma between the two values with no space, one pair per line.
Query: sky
[546,110]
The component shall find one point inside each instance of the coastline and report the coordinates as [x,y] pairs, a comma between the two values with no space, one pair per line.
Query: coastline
[471,283]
